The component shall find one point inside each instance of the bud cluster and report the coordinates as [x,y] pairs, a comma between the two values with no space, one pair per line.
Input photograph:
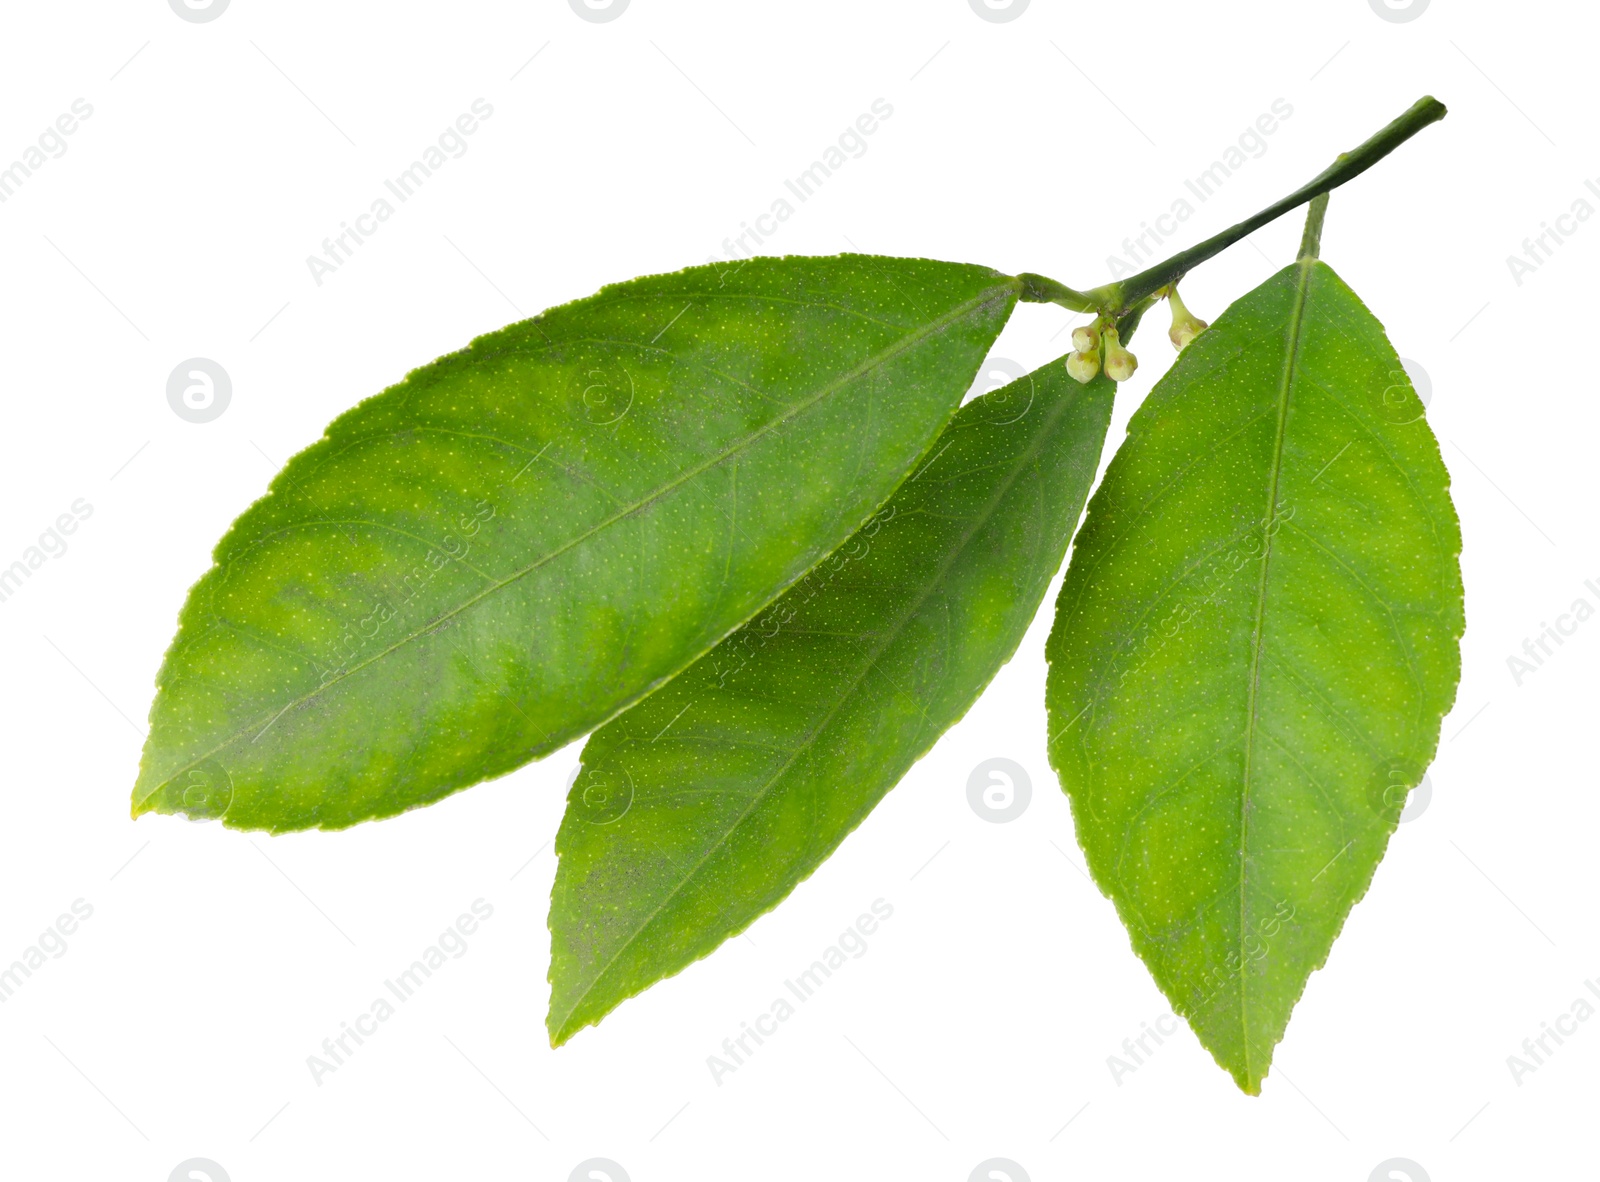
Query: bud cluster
[1097,344]
[1088,342]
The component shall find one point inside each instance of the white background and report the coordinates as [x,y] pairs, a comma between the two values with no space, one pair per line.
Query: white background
[219,155]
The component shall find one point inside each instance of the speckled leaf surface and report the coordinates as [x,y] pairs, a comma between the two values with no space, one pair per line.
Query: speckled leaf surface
[702,807]
[1253,650]
[494,556]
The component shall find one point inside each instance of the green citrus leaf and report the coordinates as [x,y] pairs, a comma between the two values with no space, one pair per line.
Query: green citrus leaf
[489,559]
[1253,649]
[703,806]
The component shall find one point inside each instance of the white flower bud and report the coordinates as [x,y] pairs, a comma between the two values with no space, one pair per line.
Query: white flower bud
[1086,337]
[1185,324]
[1120,363]
[1181,334]
[1082,367]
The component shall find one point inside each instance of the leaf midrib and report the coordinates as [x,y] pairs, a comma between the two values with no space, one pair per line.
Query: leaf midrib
[988,296]
[1291,354]
[889,636]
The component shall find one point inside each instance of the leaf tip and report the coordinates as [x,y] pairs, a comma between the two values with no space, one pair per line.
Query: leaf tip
[143,799]
[561,1031]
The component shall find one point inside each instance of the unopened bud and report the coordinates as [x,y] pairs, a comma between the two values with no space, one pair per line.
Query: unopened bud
[1120,363]
[1082,367]
[1086,337]
[1185,324]
[1182,334]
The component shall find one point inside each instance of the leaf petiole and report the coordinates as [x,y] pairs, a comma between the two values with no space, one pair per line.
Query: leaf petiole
[1311,240]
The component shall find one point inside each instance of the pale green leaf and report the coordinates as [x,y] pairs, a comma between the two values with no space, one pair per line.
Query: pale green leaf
[703,806]
[1253,649]
[491,558]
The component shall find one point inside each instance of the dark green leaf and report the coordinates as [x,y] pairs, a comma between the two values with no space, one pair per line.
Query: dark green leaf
[703,806]
[480,564]
[1253,649]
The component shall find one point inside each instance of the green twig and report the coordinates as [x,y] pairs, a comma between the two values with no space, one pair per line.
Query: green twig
[1119,299]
